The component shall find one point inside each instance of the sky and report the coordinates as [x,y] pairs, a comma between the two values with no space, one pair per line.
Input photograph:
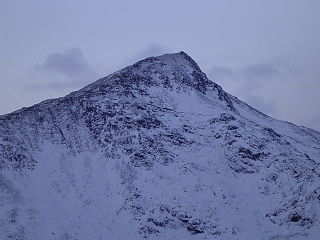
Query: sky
[266,52]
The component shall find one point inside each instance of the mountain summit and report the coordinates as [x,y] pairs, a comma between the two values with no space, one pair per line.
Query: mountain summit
[156,151]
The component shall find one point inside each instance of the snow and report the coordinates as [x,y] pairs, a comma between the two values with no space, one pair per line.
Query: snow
[156,151]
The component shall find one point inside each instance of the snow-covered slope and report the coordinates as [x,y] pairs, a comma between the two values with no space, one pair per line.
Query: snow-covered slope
[156,151]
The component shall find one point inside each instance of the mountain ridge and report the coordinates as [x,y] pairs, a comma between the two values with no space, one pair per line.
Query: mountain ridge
[171,58]
[170,55]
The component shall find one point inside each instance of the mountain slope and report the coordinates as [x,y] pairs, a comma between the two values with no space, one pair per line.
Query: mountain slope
[157,151]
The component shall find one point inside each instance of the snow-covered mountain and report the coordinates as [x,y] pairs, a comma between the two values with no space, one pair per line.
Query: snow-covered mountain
[156,151]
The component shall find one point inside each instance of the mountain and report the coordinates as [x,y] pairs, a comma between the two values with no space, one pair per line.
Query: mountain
[156,151]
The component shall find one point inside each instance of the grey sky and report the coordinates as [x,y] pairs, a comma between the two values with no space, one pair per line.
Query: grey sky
[267,53]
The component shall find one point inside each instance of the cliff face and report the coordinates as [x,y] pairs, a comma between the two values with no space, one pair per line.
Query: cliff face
[156,150]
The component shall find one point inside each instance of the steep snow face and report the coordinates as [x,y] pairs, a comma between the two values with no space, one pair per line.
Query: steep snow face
[156,151]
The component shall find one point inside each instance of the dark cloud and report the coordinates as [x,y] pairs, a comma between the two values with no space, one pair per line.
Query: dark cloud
[313,123]
[222,73]
[54,85]
[70,69]
[260,103]
[265,71]
[275,68]
[251,82]
[151,50]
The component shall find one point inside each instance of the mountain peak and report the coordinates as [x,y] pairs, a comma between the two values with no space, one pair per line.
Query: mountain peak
[169,71]
[175,59]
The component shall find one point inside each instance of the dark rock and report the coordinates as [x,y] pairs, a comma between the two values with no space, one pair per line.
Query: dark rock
[232,127]
[194,230]
[295,217]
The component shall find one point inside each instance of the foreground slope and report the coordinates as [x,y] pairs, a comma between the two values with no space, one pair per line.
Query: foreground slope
[157,151]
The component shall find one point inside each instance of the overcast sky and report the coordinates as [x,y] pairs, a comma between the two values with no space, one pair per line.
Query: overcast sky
[266,52]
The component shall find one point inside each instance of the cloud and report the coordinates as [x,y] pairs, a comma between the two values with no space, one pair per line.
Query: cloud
[62,70]
[314,123]
[265,71]
[254,82]
[260,103]
[151,50]
[222,73]
[275,68]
